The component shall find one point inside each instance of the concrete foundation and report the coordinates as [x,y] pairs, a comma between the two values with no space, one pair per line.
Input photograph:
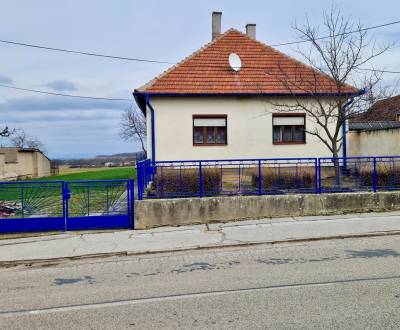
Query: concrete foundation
[185,211]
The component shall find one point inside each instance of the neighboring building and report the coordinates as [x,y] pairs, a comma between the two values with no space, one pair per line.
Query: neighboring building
[205,107]
[387,110]
[110,164]
[21,163]
[377,131]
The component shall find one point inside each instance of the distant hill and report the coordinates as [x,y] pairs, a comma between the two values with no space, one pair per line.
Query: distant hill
[121,158]
[123,155]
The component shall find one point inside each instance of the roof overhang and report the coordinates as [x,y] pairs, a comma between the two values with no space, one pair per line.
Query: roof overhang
[142,97]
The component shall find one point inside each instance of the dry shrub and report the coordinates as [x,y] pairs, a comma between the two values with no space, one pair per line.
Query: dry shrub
[285,178]
[385,175]
[186,182]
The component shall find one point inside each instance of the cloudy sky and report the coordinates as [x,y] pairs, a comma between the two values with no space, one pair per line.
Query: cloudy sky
[161,30]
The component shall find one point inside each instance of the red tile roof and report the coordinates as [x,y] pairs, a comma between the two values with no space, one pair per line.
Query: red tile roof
[265,70]
[382,111]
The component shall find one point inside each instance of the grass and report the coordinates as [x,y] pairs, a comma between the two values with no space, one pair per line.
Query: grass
[46,198]
[113,173]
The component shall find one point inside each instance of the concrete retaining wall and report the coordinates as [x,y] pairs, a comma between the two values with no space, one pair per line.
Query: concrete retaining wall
[175,212]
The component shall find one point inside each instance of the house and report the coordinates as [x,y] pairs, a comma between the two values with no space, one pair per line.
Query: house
[386,110]
[376,132]
[218,103]
[22,163]
[109,164]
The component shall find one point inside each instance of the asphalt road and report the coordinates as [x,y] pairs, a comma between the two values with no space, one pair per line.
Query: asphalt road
[337,284]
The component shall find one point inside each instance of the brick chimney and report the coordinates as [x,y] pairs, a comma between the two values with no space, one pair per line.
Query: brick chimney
[251,30]
[216,24]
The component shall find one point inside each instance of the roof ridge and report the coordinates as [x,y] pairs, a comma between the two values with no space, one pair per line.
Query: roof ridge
[187,58]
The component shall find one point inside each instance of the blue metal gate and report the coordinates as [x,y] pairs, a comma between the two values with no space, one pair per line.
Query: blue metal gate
[35,206]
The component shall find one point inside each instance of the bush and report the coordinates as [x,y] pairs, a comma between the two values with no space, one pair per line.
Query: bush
[285,179]
[385,176]
[186,182]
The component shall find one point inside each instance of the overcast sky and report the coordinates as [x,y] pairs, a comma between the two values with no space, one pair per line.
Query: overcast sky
[163,30]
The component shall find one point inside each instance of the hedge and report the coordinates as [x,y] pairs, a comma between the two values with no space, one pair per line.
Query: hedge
[285,178]
[186,182]
[385,176]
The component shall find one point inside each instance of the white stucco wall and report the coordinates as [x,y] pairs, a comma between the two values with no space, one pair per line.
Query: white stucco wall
[249,130]
[374,143]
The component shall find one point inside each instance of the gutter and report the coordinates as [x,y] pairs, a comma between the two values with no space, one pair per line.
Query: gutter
[344,127]
[140,97]
[153,139]
[142,100]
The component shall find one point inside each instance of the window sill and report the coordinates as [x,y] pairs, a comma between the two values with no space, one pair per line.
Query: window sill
[286,143]
[210,144]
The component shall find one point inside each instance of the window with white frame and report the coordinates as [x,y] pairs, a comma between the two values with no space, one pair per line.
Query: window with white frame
[289,128]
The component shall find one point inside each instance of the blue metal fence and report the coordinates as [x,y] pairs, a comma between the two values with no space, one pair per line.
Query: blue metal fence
[27,206]
[359,174]
[201,178]
[170,179]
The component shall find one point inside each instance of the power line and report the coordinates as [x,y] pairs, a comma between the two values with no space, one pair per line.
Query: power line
[115,57]
[83,52]
[377,70]
[64,95]
[161,62]
[339,34]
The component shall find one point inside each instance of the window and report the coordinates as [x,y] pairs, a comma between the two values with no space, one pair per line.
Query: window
[209,130]
[288,129]
[398,117]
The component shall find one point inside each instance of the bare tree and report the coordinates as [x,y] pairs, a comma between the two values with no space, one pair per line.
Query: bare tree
[35,143]
[375,90]
[20,139]
[133,126]
[339,62]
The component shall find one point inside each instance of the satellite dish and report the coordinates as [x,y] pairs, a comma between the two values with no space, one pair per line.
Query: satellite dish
[235,62]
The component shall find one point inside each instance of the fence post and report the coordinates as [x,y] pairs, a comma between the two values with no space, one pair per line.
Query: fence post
[259,178]
[316,175]
[131,202]
[374,176]
[239,183]
[319,179]
[65,196]
[88,199]
[201,179]
[140,180]
[22,200]
[63,203]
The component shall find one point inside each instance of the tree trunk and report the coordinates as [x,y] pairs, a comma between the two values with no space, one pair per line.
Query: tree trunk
[336,163]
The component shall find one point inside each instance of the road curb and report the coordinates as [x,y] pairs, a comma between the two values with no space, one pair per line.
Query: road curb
[48,262]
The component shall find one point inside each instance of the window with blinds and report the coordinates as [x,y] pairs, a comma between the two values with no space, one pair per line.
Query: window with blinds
[210,130]
[288,129]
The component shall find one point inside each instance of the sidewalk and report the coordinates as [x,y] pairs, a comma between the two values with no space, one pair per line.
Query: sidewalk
[164,239]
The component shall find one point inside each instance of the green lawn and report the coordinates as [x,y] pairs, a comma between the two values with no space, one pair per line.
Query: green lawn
[46,198]
[104,174]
